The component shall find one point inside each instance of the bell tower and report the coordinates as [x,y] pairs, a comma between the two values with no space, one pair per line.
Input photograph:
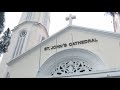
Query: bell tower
[39,17]
[31,30]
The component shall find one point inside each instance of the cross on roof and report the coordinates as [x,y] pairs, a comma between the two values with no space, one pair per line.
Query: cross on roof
[70,18]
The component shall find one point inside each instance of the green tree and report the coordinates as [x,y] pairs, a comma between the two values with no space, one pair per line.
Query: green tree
[2,20]
[5,38]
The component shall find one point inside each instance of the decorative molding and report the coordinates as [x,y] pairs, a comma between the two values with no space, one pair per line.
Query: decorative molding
[32,22]
[71,67]
[67,28]
[20,43]
[97,32]
[91,60]
[107,73]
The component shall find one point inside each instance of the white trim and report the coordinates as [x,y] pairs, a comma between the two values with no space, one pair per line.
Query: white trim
[20,44]
[16,47]
[32,22]
[14,60]
[82,54]
[25,42]
[40,39]
[110,73]
[112,34]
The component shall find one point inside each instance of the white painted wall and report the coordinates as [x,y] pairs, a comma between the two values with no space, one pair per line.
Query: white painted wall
[34,32]
[27,66]
[40,17]
[107,49]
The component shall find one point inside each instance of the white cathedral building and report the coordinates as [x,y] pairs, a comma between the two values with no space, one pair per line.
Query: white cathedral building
[73,52]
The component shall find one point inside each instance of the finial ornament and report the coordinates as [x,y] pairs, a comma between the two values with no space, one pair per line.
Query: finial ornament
[70,18]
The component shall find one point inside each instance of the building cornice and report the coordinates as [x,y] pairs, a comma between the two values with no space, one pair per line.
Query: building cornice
[16,27]
[82,29]
[109,73]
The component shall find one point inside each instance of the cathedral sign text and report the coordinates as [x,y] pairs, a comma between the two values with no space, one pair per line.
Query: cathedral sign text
[71,44]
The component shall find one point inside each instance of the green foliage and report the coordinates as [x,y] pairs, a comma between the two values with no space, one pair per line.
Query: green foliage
[2,20]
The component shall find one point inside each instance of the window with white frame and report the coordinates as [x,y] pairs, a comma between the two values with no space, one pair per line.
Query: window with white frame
[20,43]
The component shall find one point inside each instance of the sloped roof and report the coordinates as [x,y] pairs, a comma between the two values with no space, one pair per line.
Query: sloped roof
[83,29]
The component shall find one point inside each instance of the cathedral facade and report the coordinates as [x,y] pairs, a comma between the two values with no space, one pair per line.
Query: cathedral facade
[75,52]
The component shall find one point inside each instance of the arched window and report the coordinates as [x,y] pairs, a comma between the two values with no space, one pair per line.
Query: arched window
[29,15]
[70,62]
[20,43]
[71,67]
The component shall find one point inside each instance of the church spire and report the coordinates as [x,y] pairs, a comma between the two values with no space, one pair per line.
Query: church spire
[39,17]
[33,29]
